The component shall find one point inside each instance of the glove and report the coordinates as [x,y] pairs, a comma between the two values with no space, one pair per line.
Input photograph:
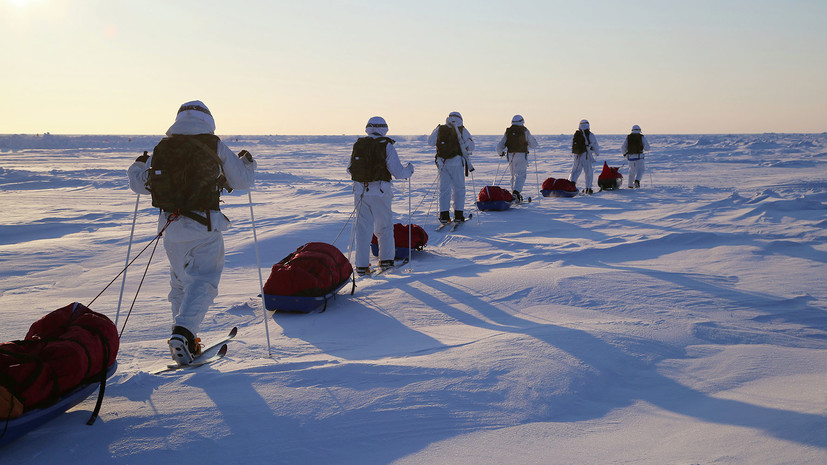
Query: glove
[246,155]
[502,154]
[143,158]
[410,167]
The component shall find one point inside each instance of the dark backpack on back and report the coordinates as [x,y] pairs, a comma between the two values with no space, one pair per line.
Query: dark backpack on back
[185,174]
[368,161]
[447,142]
[634,143]
[578,142]
[515,139]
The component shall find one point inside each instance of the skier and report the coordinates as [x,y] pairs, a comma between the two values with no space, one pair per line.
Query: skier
[583,148]
[514,146]
[633,148]
[454,146]
[189,210]
[372,163]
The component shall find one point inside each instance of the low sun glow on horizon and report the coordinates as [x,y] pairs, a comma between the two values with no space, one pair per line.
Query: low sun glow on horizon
[325,67]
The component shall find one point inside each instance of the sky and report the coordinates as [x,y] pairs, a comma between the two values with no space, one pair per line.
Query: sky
[325,67]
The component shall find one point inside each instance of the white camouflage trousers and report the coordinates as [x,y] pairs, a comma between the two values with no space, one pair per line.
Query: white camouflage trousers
[583,163]
[518,163]
[195,265]
[451,183]
[636,170]
[374,216]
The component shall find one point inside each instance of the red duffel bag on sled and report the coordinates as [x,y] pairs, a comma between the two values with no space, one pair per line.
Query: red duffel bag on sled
[494,198]
[610,178]
[306,279]
[64,357]
[558,188]
[419,238]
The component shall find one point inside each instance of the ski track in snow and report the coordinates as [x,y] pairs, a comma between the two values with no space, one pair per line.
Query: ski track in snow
[684,322]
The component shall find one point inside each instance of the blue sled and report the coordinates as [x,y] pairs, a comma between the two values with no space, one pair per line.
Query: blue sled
[35,418]
[399,254]
[493,205]
[302,304]
[557,193]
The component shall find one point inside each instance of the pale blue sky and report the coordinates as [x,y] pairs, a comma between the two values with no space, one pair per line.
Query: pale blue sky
[325,67]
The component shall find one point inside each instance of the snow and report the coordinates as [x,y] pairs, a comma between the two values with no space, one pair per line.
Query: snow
[683,322]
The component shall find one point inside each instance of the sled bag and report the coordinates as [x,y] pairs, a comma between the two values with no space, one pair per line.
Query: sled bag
[559,184]
[400,236]
[610,177]
[313,270]
[66,348]
[494,193]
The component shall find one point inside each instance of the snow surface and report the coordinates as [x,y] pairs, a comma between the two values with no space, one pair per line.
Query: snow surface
[683,322]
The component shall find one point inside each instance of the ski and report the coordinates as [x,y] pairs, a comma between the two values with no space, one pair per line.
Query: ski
[379,271]
[203,359]
[442,226]
[457,223]
[233,332]
[196,362]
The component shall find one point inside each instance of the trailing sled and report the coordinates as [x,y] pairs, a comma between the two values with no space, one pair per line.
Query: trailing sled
[419,238]
[65,357]
[558,188]
[610,178]
[307,279]
[494,198]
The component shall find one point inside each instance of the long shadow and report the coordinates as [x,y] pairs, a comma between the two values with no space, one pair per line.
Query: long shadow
[622,379]
[356,327]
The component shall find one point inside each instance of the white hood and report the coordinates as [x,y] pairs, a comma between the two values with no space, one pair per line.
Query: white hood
[454,119]
[193,118]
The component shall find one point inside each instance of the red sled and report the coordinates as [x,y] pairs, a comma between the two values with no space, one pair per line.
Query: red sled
[65,356]
[558,188]
[610,178]
[307,279]
[494,198]
[419,238]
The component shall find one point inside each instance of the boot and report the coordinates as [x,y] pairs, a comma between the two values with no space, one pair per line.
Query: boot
[385,264]
[517,196]
[362,270]
[459,217]
[445,217]
[637,183]
[183,345]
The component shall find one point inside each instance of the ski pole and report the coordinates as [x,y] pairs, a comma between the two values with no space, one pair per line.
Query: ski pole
[537,175]
[128,253]
[410,228]
[497,174]
[260,280]
[354,228]
[474,193]
[435,186]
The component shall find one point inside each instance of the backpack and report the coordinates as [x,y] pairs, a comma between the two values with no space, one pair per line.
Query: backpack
[368,161]
[186,175]
[447,142]
[578,142]
[515,139]
[634,143]
[67,348]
